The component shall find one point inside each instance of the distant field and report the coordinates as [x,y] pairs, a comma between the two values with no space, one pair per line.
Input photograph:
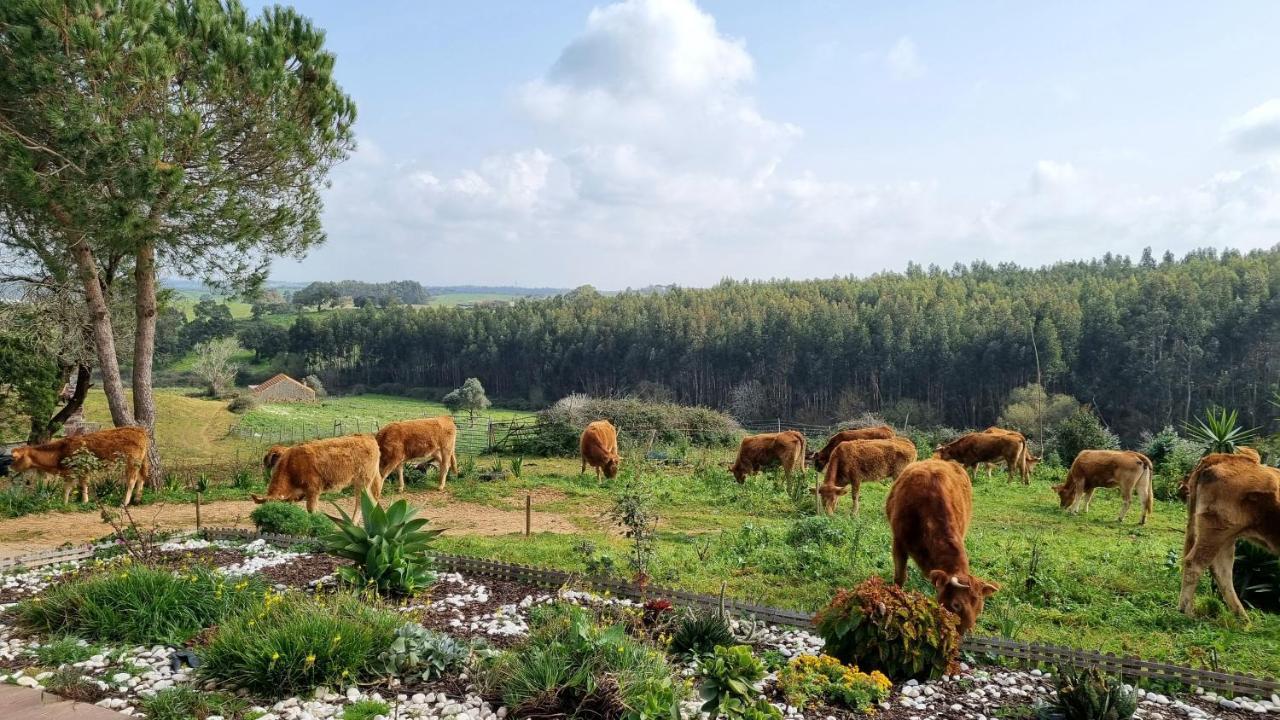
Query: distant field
[187,299]
[363,408]
[451,299]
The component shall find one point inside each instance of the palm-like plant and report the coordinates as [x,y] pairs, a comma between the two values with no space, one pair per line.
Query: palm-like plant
[1219,431]
[389,547]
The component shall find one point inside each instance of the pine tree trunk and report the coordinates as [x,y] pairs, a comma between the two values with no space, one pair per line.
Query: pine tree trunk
[103,338]
[144,344]
[42,431]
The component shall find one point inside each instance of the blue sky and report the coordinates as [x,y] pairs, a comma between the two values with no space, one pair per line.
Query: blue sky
[658,141]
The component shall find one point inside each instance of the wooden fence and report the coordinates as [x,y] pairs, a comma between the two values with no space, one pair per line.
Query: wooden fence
[1029,653]
[47,557]
[482,435]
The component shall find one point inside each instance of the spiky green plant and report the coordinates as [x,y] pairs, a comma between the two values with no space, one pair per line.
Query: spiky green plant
[389,547]
[1220,431]
[1090,695]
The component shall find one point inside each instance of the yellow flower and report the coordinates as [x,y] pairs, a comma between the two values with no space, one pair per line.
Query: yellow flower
[311,660]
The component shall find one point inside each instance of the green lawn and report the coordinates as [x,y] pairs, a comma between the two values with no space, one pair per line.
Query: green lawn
[350,410]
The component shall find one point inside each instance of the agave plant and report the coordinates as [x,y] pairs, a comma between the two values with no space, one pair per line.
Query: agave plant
[1219,431]
[389,547]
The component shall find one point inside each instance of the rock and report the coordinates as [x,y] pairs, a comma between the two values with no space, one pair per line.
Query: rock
[1228,704]
[957,707]
[353,693]
[120,677]
[28,681]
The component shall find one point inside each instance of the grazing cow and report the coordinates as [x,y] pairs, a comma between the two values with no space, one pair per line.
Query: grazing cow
[929,509]
[272,456]
[1231,497]
[879,432]
[1029,461]
[435,438]
[124,444]
[855,461]
[599,449]
[1242,451]
[757,452]
[302,472]
[1095,469]
[980,447]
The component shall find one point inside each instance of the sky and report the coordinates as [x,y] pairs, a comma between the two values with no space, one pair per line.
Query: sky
[667,141]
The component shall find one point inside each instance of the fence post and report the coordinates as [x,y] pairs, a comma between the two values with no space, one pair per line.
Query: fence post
[528,514]
[491,435]
[779,421]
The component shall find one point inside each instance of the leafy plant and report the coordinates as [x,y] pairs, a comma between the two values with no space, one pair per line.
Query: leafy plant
[140,605]
[1082,431]
[517,467]
[899,632]
[292,643]
[64,650]
[1090,695]
[818,530]
[1256,575]
[389,547]
[698,633]
[725,681]
[598,565]
[467,466]
[283,518]
[365,710]
[633,510]
[72,684]
[418,653]
[1219,431]
[821,677]
[182,703]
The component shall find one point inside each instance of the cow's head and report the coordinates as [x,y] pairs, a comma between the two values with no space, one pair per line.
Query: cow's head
[273,456]
[962,594]
[1068,493]
[942,452]
[610,466]
[740,471]
[1030,461]
[282,487]
[20,460]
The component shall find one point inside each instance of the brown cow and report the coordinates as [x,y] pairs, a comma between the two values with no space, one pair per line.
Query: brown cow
[1242,451]
[127,444]
[1231,497]
[1029,461]
[757,452]
[435,438]
[1095,469]
[879,432]
[856,461]
[302,472]
[929,509]
[599,449]
[980,447]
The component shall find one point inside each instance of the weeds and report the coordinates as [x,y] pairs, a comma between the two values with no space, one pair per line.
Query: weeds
[180,703]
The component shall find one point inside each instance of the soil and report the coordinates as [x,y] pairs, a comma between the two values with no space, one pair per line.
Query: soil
[501,592]
[301,572]
[32,533]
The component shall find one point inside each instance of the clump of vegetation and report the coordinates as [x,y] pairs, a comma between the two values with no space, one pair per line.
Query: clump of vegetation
[314,383]
[283,518]
[1172,457]
[633,511]
[667,422]
[821,677]
[1091,695]
[417,653]
[17,499]
[901,633]
[469,397]
[570,665]
[140,605]
[698,633]
[1219,431]
[182,703]
[1030,407]
[1082,431]
[389,547]
[243,403]
[1256,576]
[71,684]
[817,529]
[64,650]
[726,684]
[292,643]
[365,710]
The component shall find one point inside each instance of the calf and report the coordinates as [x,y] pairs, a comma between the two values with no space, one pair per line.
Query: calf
[599,448]
[980,447]
[856,461]
[1242,451]
[1230,497]
[302,472]
[929,509]
[879,432]
[1095,469]
[757,452]
[123,444]
[435,438]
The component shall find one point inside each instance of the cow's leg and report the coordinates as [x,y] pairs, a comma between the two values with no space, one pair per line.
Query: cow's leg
[84,490]
[1222,566]
[583,471]
[400,470]
[1088,498]
[130,479]
[855,488]
[1126,495]
[899,563]
[66,490]
[1194,564]
[445,460]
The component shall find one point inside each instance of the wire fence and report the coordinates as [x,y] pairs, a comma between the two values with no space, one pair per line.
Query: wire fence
[478,435]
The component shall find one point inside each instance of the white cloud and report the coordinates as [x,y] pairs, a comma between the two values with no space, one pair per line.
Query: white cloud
[1258,129]
[903,60]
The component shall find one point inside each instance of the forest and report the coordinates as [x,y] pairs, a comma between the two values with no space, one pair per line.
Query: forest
[1146,343]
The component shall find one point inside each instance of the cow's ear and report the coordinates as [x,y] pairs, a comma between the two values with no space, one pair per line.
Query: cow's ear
[939,578]
[989,588]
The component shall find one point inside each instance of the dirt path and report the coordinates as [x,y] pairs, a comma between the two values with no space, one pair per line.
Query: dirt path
[32,533]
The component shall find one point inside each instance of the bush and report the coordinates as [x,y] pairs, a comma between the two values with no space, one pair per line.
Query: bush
[1256,576]
[1082,431]
[389,547]
[568,661]
[698,633]
[417,653]
[182,703]
[389,388]
[1170,452]
[822,677]
[901,633]
[726,684]
[320,524]
[293,643]
[140,605]
[284,518]
[668,423]
[1091,695]
[314,383]
[817,530]
[243,403]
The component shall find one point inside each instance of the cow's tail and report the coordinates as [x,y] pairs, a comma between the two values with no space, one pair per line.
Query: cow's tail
[1144,485]
[1190,535]
[804,452]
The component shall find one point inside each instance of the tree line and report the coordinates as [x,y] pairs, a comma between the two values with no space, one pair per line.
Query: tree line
[1145,343]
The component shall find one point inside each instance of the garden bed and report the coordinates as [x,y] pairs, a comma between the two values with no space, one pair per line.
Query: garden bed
[122,676]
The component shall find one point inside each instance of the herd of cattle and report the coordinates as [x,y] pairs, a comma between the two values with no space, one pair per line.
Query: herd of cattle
[929,507]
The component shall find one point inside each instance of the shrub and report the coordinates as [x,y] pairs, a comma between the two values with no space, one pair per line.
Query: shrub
[1091,695]
[140,605]
[822,677]
[293,643]
[726,684]
[668,422]
[901,633]
[1170,453]
[320,524]
[698,633]
[314,383]
[243,403]
[389,547]
[1256,576]
[817,530]
[64,650]
[284,518]
[568,661]
[182,703]
[1082,431]
[417,653]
